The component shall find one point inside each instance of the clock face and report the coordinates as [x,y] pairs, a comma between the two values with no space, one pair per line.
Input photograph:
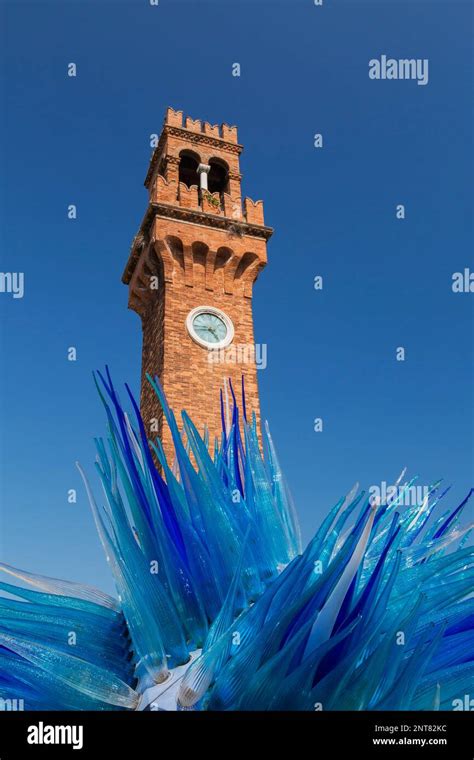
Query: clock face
[210,327]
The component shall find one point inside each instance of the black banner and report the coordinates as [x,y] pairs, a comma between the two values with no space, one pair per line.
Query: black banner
[114,734]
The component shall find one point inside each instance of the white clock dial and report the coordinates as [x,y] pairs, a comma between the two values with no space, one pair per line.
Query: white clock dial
[210,327]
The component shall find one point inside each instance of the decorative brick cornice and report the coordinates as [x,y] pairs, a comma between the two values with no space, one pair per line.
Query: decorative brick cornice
[199,138]
[167,211]
[203,139]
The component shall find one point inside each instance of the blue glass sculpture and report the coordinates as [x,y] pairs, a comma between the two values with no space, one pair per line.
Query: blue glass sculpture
[219,608]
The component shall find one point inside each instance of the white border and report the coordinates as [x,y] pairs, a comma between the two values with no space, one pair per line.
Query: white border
[218,313]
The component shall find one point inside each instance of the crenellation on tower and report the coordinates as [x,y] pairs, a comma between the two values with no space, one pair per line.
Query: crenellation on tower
[194,125]
[229,133]
[173,118]
[188,197]
[211,203]
[253,211]
[212,129]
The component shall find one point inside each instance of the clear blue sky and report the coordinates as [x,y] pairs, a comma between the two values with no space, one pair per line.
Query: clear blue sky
[331,354]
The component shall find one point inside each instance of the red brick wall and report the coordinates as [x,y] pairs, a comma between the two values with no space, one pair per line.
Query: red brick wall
[190,381]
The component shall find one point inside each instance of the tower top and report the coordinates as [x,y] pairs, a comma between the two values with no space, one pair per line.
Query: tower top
[194,177]
[221,136]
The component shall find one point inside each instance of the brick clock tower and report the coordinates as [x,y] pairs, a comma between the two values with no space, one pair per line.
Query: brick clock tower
[191,272]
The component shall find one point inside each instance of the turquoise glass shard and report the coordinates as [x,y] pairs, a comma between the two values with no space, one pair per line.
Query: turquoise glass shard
[219,608]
